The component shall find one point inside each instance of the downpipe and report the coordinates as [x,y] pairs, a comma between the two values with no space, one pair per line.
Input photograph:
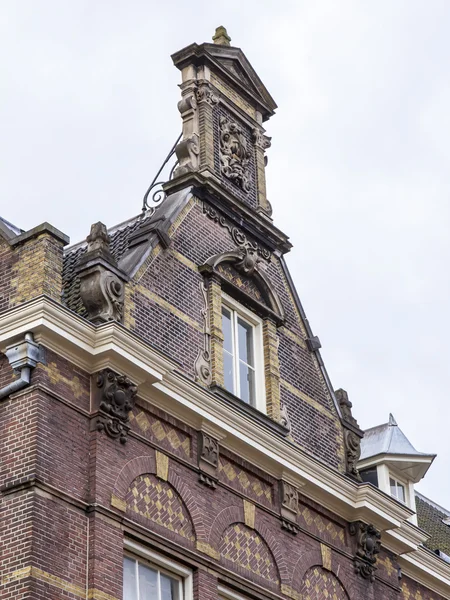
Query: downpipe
[22,357]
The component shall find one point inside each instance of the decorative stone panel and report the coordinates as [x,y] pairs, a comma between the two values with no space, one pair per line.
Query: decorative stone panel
[208,459]
[320,584]
[245,192]
[245,548]
[245,482]
[368,542]
[153,500]
[160,431]
[319,525]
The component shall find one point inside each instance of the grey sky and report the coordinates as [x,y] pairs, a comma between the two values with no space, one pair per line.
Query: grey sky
[358,171]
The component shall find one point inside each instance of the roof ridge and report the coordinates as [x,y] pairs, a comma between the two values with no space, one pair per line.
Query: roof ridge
[445,511]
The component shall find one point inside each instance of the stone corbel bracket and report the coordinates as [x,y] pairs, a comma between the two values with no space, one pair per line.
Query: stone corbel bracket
[289,507]
[113,399]
[208,459]
[102,283]
[368,542]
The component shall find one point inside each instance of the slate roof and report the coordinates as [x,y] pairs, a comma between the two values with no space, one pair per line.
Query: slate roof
[119,236]
[387,439]
[430,518]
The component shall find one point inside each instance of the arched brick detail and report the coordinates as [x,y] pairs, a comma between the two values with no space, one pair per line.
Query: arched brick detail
[132,469]
[303,564]
[147,464]
[186,495]
[275,548]
[154,500]
[226,517]
[250,555]
[318,583]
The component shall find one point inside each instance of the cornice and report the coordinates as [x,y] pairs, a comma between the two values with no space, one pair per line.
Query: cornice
[93,348]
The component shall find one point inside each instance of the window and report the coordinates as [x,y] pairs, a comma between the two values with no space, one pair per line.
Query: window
[242,353]
[397,490]
[154,577]
[370,476]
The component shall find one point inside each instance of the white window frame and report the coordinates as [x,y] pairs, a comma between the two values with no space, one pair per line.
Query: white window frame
[136,551]
[225,593]
[258,349]
[398,482]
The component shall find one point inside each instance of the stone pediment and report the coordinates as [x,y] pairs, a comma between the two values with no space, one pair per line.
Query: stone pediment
[231,63]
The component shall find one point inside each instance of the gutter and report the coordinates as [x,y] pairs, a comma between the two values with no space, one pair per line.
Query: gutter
[22,357]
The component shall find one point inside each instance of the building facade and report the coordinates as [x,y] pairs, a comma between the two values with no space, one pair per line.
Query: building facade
[168,427]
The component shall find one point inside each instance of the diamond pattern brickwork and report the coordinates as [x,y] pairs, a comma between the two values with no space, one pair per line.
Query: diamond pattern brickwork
[321,526]
[162,432]
[245,482]
[319,584]
[157,501]
[246,284]
[245,548]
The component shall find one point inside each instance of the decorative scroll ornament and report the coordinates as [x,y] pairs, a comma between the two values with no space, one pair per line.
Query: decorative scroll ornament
[115,400]
[284,418]
[352,434]
[234,154]
[208,459]
[187,150]
[248,263]
[238,236]
[202,365]
[260,140]
[289,507]
[101,282]
[204,93]
[368,540]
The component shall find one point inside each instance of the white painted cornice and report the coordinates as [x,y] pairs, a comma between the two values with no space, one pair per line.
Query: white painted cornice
[111,345]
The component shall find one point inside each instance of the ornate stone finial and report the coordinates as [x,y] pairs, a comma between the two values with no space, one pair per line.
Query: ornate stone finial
[101,282]
[98,239]
[221,36]
[114,397]
[368,542]
[352,434]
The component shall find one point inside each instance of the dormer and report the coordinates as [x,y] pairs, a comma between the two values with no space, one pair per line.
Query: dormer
[390,462]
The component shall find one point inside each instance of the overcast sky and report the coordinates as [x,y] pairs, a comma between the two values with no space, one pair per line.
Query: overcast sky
[358,172]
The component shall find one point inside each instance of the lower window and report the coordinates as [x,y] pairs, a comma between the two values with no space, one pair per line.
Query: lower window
[152,576]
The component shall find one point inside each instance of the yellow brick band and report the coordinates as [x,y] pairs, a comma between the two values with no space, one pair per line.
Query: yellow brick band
[271,370]
[208,550]
[164,304]
[319,407]
[215,315]
[326,556]
[56,582]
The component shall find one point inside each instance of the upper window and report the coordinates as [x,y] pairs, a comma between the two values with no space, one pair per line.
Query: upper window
[397,490]
[242,353]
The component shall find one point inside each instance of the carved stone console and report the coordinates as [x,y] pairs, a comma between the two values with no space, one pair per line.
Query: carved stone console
[208,459]
[101,282]
[289,507]
[368,542]
[113,397]
[352,434]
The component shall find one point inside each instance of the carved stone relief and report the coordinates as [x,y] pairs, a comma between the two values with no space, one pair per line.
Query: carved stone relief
[204,93]
[208,459]
[284,418]
[114,397]
[234,153]
[368,540]
[289,507]
[238,236]
[187,150]
[202,365]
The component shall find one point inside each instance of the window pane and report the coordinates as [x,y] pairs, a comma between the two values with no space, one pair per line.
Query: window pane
[393,487]
[129,579]
[226,330]
[169,588]
[400,492]
[148,583]
[228,371]
[247,381]
[245,337]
